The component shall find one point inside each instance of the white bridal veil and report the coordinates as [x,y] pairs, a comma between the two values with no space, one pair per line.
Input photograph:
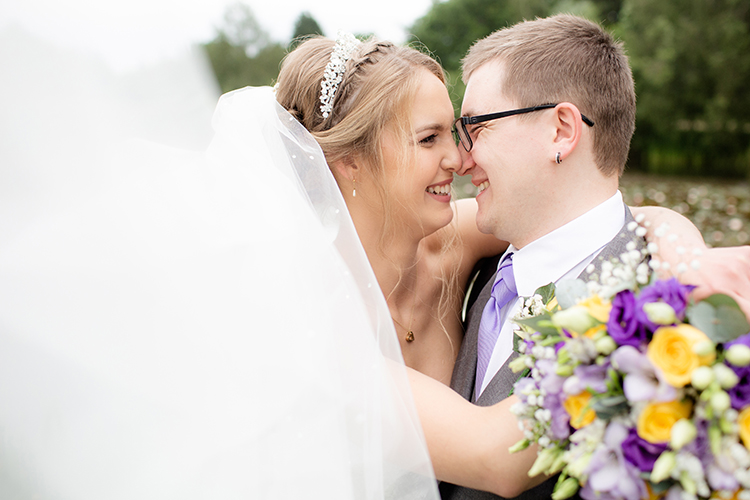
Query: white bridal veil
[184,314]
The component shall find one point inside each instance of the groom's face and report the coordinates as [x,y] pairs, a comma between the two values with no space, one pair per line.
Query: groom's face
[504,158]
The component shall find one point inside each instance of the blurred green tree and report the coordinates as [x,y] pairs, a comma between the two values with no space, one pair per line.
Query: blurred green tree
[242,53]
[305,27]
[450,27]
[691,63]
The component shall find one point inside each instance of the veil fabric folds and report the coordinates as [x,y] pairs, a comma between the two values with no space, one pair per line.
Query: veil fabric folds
[185,314]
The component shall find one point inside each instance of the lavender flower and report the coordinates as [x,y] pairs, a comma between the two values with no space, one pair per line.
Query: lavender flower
[610,475]
[584,377]
[642,380]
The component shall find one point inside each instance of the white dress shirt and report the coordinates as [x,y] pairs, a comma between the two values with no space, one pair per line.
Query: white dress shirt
[562,253]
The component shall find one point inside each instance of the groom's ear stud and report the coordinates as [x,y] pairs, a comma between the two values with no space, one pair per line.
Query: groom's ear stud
[558,160]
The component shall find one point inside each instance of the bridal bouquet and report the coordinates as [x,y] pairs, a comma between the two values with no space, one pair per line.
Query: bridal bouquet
[633,391]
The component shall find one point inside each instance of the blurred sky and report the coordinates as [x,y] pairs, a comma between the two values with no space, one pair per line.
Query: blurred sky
[136,32]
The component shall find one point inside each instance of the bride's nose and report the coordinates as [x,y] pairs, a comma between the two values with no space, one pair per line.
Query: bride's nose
[452,159]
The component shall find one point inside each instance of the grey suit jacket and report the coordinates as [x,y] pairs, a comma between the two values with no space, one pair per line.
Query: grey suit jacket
[464,372]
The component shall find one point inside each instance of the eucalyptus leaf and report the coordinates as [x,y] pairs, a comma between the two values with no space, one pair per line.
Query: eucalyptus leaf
[719,317]
[570,292]
[608,407]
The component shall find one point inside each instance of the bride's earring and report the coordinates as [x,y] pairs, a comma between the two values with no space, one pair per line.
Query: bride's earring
[354,190]
[558,160]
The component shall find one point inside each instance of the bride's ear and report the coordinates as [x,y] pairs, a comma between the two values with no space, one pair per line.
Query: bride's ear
[346,168]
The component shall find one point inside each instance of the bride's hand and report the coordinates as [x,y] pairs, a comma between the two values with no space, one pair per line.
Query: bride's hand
[722,270]
[712,270]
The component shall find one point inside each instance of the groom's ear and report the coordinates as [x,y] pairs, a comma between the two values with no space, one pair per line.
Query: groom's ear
[568,128]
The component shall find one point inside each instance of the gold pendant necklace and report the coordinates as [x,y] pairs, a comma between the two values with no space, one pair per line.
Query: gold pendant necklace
[409,333]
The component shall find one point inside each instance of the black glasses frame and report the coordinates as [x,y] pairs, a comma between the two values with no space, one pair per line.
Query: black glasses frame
[462,133]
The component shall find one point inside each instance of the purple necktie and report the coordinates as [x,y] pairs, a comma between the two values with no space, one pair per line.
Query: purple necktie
[503,291]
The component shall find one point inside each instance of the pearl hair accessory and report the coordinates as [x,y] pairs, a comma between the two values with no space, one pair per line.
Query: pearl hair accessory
[346,43]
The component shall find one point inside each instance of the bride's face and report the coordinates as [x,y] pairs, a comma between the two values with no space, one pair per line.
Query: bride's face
[422,189]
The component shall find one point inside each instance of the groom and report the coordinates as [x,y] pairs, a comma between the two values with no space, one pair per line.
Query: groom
[548,114]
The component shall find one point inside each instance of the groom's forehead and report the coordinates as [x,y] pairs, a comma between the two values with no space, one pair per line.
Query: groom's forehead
[484,90]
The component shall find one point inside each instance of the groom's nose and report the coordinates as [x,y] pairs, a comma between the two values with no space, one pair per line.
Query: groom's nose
[467,162]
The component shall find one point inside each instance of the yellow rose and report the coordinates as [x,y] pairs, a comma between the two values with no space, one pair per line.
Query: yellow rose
[597,308]
[656,420]
[672,351]
[579,410]
[591,332]
[744,423]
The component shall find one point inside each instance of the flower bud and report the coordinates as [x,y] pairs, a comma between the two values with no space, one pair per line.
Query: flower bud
[714,439]
[521,445]
[566,489]
[704,348]
[578,466]
[738,355]
[688,483]
[702,377]
[663,466]
[518,364]
[725,376]
[543,461]
[605,345]
[683,432]
[564,370]
[558,464]
[563,355]
[660,313]
[720,401]
[575,319]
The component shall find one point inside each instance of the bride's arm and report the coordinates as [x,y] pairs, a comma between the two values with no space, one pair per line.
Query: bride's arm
[469,444]
[713,270]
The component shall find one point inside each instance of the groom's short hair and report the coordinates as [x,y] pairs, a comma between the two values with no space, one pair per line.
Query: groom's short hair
[565,58]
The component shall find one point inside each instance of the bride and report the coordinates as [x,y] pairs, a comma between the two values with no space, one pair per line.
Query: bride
[178,324]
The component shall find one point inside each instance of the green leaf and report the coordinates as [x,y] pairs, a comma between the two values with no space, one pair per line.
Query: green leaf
[608,407]
[547,292]
[541,324]
[719,317]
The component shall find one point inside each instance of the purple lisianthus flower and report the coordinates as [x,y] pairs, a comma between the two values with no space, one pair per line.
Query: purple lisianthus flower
[552,385]
[610,475]
[640,452]
[720,479]
[642,380]
[623,325]
[585,377]
[669,291]
[560,423]
[739,395]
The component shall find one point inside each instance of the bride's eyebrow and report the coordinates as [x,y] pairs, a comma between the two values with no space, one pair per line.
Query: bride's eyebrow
[432,126]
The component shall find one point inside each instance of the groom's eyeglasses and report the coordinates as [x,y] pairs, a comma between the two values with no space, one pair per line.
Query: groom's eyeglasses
[462,133]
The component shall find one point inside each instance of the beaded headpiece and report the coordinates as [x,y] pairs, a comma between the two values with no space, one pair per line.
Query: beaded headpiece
[346,43]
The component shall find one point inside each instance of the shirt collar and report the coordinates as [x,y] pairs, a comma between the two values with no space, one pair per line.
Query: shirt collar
[548,258]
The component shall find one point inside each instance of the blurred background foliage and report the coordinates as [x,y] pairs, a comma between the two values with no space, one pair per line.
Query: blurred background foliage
[691,64]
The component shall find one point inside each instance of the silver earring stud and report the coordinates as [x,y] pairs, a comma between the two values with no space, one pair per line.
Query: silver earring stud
[558,160]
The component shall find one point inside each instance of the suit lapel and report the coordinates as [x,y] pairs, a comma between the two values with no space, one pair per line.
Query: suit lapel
[465,370]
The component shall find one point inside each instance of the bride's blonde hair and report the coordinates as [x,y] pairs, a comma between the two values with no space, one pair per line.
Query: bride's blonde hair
[376,92]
